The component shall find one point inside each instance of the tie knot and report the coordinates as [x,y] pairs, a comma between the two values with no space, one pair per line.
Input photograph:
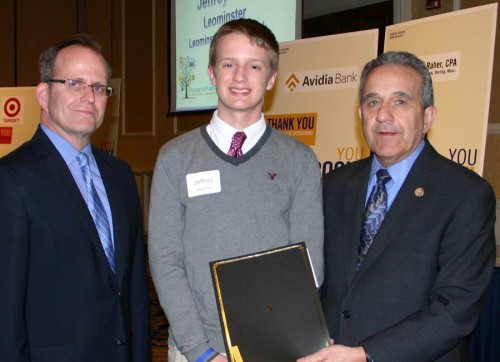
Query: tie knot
[236,143]
[238,139]
[83,159]
[383,176]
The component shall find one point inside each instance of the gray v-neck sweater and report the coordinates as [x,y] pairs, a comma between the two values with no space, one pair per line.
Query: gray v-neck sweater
[268,198]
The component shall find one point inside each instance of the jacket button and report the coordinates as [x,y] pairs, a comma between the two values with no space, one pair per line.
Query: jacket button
[346,314]
[118,343]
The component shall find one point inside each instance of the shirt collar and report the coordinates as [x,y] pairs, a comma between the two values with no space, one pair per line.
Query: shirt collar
[223,132]
[399,170]
[67,151]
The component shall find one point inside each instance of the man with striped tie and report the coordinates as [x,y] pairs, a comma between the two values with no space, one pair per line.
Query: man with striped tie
[72,265]
[409,234]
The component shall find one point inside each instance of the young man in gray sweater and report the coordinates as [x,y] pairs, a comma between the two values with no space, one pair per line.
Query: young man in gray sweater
[235,186]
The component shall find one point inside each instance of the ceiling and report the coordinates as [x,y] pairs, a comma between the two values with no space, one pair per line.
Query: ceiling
[313,8]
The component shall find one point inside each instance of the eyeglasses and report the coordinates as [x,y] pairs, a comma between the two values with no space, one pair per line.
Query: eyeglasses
[78,86]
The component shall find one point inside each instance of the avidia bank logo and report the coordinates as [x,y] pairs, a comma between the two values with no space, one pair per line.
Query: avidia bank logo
[322,79]
[292,82]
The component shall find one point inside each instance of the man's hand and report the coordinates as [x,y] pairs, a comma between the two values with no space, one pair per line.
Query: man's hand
[220,358]
[337,353]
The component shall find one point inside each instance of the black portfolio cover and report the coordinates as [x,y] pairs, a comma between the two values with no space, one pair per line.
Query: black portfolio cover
[268,305]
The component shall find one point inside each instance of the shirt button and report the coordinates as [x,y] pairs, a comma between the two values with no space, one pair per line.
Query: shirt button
[346,314]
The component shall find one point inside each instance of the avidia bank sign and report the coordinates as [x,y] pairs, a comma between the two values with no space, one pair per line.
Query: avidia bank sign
[321,80]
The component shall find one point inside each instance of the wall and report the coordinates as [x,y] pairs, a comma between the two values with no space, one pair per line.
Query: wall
[134,38]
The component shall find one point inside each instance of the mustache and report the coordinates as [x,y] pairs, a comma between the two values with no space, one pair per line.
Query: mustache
[385,128]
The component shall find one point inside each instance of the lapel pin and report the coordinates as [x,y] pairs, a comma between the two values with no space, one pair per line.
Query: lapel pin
[419,192]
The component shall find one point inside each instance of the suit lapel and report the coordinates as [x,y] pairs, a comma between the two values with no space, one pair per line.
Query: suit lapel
[63,180]
[353,211]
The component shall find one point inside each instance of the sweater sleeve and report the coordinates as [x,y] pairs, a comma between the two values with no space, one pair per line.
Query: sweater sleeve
[166,257]
[306,214]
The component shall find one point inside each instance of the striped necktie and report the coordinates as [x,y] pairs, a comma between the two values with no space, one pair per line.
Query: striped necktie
[97,211]
[375,211]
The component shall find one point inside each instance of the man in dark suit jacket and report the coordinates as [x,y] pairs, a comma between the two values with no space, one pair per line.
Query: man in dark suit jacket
[62,299]
[418,291]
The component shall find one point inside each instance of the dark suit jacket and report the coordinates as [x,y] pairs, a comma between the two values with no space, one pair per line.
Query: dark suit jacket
[59,299]
[420,289]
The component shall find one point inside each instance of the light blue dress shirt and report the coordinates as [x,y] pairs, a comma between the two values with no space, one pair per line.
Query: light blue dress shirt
[69,153]
[398,173]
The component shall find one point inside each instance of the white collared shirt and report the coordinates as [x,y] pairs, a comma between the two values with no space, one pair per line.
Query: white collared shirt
[222,133]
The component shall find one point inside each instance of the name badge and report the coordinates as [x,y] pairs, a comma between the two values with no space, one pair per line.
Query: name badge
[203,183]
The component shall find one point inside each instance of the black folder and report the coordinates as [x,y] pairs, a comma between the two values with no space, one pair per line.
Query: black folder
[269,306]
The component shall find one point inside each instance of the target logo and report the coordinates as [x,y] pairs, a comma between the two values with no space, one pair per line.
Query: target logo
[12,107]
